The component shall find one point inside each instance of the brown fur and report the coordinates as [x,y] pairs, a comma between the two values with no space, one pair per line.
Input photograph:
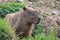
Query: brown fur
[22,22]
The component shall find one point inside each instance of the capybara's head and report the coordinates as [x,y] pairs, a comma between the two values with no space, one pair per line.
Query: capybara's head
[30,15]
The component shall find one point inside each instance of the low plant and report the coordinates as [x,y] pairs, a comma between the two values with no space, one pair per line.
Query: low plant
[38,34]
[10,8]
[6,32]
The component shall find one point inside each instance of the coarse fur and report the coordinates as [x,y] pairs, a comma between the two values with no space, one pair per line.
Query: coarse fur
[23,21]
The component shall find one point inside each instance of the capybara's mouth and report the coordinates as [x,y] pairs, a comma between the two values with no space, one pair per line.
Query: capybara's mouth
[38,22]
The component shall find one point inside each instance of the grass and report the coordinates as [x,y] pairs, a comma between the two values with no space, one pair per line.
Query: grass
[10,7]
[6,31]
[42,36]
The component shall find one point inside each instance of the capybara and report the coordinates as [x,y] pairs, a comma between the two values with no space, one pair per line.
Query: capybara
[22,22]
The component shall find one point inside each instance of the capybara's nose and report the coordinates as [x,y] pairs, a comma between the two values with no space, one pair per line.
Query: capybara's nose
[39,19]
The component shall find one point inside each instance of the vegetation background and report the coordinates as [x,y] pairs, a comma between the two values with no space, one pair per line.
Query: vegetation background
[7,33]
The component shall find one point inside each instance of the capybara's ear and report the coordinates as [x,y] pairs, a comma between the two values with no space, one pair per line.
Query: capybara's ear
[24,8]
